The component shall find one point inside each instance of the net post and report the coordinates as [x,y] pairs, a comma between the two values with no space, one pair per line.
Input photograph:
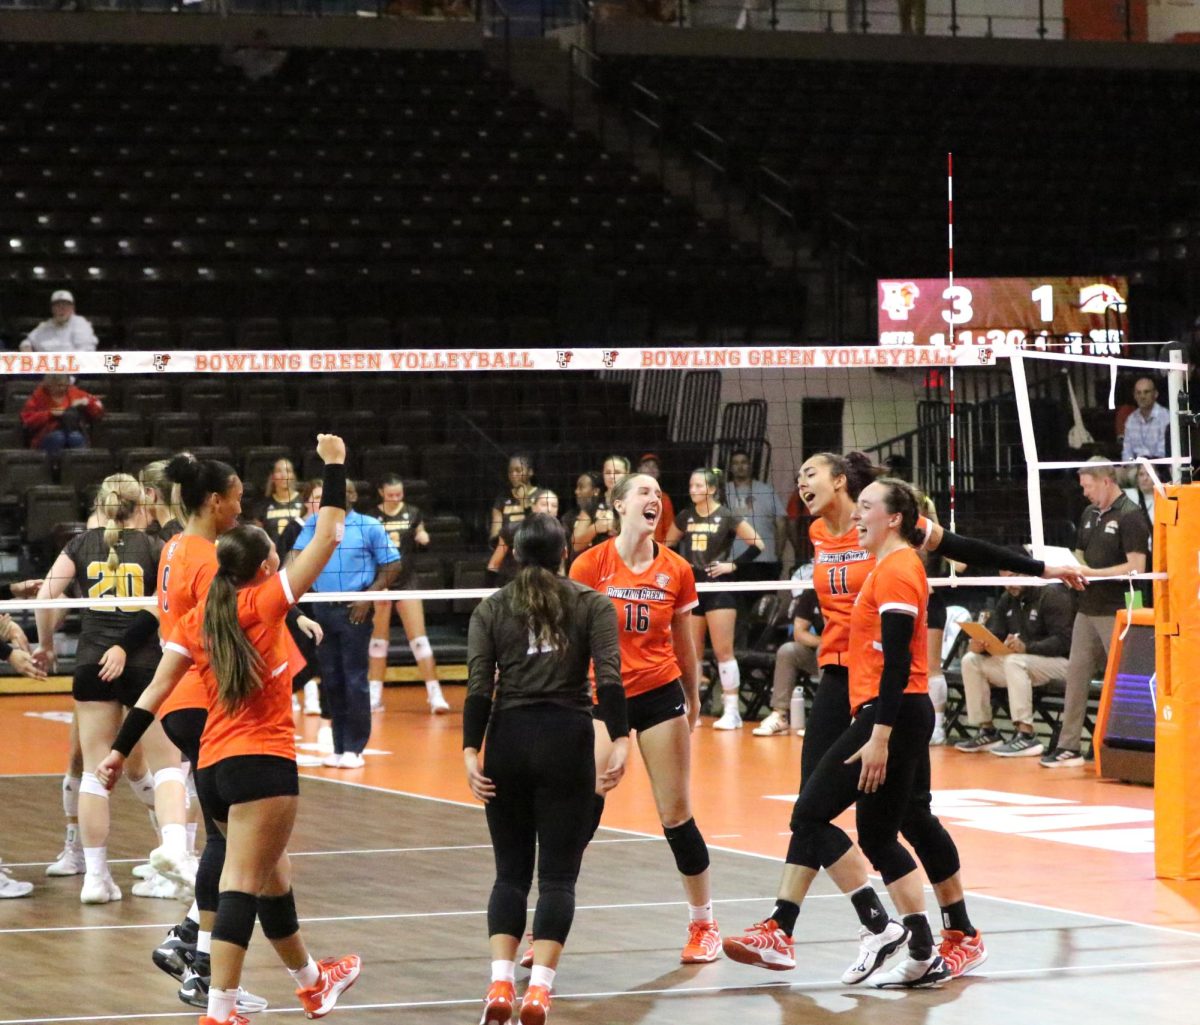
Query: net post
[1177,688]
[1037,533]
[1175,385]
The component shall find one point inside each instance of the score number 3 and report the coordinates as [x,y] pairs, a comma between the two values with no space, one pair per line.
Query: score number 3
[959,297]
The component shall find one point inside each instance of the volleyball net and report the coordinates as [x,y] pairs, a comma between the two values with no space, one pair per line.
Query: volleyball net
[466,432]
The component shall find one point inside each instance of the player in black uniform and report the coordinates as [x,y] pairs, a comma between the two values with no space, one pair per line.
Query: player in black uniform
[580,522]
[162,512]
[539,632]
[405,527]
[705,534]
[118,652]
[511,506]
[284,503]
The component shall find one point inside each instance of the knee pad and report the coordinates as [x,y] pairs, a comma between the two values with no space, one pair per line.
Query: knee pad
[938,691]
[888,856]
[934,847]
[378,648]
[688,846]
[555,910]
[235,918]
[89,784]
[730,676]
[70,796]
[277,916]
[506,909]
[169,775]
[208,872]
[143,789]
[421,648]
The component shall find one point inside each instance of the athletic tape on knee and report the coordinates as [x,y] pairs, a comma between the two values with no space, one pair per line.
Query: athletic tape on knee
[235,918]
[143,789]
[89,784]
[277,916]
[688,846]
[421,648]
[70,796]
[169,775]
[378,648]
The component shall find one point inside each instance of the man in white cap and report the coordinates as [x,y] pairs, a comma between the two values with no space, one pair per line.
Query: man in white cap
[65,331]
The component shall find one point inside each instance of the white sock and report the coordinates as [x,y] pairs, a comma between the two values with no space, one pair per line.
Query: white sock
[221,1003]
[730,703]
[311,694]
[174,836]
[540,975]
[731,676]
[193,914]
[938,692]
[70,796]
[307,976]
[433,687]
[203,942]
[96,860]
[154,823]
[143,789]
[703,913]
[504,971]
[72,834]
[191,828]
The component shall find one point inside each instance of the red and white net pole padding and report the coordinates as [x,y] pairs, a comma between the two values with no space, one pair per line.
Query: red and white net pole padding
[953,453]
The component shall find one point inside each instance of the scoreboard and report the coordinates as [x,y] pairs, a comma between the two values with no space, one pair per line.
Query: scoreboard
[1086,314]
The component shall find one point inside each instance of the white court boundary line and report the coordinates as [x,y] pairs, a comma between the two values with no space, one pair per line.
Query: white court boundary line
[779,861]
[685,991]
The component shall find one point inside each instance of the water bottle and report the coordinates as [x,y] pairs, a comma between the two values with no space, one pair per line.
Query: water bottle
[796,711]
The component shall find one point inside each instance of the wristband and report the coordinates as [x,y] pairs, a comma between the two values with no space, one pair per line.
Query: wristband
[136,723]
[333,486]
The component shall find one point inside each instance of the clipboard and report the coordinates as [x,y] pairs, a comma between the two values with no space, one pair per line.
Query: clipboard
[991,643]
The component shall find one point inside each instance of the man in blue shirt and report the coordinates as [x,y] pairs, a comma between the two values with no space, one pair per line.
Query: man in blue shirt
[366,560]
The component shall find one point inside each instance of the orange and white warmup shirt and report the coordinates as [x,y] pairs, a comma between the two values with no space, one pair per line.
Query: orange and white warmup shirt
[185,570]
[840,569]
[646,603]
[263,724]
[896,584]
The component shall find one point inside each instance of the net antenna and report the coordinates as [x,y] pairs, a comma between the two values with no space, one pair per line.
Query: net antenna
[953,337]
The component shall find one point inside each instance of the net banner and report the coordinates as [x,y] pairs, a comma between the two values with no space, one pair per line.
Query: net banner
[292,361]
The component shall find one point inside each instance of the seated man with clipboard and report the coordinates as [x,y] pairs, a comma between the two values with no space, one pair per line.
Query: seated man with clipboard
[1028,647]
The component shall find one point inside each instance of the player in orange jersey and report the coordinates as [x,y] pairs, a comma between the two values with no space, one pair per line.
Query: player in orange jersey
[654,592]
[829,485]
[237,640]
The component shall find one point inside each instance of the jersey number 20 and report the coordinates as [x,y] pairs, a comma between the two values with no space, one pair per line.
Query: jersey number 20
[126,580]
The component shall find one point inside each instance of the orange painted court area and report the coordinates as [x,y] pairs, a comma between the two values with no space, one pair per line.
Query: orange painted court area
[1055,838]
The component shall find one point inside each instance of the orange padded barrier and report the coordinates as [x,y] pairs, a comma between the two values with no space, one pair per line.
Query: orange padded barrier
[1177,661]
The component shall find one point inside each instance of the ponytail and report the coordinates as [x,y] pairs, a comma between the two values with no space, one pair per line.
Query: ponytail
[538,595]
[238,667]
[116,503]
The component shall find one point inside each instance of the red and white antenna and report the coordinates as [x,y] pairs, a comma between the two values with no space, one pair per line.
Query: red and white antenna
[950,328]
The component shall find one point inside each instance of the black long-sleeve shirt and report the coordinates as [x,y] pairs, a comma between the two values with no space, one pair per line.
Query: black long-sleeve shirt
[496,640]
[1042,617]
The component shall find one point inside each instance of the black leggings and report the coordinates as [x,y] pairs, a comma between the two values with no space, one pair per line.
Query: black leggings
[829,719]
[184,728]
[833,787]
[540,759]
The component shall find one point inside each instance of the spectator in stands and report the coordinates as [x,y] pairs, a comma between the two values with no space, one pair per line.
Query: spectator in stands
[257,60]
[1143,494]
[612,470]
[367,561]
[799,655]
[580,522]
[284,502]
[57,415]
[651,465]
[760,504]
[65,331]
[511,506]
[1035,625]
[1146,427]
[1113,541]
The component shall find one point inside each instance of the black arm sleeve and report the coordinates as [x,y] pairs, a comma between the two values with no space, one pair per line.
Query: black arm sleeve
[143,626]
[748,556]
[983,553]
[333,486]
[477,709]
[6,592]
[6,651]
[136,723]
[897,634]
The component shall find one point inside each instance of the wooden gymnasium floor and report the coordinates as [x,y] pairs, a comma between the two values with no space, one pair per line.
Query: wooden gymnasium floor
[393,861]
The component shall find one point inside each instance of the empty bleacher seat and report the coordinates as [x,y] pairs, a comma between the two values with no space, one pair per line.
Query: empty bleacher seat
[84,468]
[46,506]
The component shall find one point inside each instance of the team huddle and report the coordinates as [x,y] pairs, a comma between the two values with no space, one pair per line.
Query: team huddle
[561,671]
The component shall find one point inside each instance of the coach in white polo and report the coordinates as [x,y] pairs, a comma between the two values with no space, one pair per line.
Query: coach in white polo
[65,331]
